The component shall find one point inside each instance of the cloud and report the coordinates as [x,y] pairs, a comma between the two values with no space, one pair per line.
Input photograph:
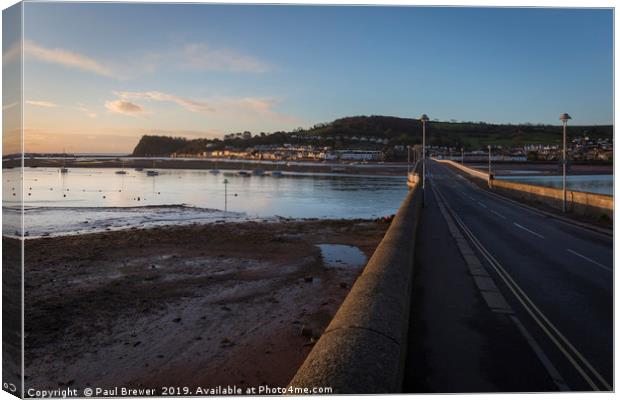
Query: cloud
[194,56]
[86,111]
[203,57]
[189,104]
[125,107]
[39,103]
[242,108]
[233,107]
[9,106]
[66,58]
[13,53]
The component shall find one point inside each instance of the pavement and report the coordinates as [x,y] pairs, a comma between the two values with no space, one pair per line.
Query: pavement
[506,299]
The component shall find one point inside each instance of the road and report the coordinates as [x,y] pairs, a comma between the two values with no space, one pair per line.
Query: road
[556,277]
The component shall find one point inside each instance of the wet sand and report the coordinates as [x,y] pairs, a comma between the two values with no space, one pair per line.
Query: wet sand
[231,304]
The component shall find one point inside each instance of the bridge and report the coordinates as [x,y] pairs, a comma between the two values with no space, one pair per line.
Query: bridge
[472,291]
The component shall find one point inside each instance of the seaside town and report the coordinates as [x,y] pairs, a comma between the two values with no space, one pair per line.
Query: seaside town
[582,148]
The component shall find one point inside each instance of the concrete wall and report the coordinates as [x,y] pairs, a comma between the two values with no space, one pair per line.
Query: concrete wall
[470,171]
[581,203]
[591,205]
[363,348]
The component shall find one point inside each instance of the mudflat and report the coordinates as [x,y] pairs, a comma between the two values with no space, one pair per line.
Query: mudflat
[202,305]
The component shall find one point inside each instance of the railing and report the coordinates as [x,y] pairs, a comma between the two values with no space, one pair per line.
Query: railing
[363,348]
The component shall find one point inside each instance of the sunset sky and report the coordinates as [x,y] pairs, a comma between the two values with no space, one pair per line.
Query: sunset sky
[98,76]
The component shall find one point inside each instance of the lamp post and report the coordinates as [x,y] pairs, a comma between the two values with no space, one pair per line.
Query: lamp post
[424,119]
[489,161]
[408,159]
[564,118]
[462,156]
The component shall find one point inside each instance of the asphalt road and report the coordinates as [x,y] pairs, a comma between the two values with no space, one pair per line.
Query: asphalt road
[457,344]
[557,277]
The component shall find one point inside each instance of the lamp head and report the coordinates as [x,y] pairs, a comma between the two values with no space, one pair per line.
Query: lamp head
[565,117]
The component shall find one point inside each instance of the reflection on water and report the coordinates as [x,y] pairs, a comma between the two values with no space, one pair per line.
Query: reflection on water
[602,184]
[97,195]
[339,255]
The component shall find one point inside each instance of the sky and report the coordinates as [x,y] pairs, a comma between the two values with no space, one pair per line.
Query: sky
[99,76]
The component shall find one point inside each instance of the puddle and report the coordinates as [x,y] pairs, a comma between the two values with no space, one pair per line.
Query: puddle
[339,255]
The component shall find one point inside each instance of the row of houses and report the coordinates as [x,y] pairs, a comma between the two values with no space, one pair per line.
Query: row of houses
[288,153]
[340,138]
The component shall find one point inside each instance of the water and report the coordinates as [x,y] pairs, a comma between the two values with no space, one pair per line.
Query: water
[339,255]
[601,184]
[85,200]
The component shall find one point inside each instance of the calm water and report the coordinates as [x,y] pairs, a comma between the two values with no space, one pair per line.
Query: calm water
[602,184]
[340,255]
[85,200]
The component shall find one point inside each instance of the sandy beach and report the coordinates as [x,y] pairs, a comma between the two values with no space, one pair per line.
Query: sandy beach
[229,304]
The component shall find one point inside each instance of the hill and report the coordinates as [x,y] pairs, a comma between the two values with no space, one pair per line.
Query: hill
[376,132]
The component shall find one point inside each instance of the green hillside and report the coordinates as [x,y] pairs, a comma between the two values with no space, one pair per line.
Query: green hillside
[340,134]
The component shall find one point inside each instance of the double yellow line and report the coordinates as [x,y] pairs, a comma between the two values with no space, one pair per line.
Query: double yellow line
[579,362]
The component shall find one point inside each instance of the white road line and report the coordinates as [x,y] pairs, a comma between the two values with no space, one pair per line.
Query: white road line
[498,214]
[468,196]
[483,205]
[553,371]
[530,208]
[589,259]
[448,213]
[530,231]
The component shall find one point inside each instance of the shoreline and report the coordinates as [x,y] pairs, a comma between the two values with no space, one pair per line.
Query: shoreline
[301,167]
[353,168]
[236,303]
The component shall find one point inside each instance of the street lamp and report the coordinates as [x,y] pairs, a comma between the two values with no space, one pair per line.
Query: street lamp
[408,159]
[489,161]
[424,118]
[462,156]
[564,118]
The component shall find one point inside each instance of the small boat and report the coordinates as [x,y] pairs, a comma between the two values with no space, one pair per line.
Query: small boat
[152,172]
[243,173]
[64,169]
[277,174]
[122,171]
[214,170]
[258,172]
[138,169]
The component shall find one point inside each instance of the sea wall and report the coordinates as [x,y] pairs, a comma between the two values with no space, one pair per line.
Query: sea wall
[470,171]
[363,348]
[591,205]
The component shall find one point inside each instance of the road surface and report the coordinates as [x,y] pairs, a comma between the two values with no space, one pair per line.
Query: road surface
[556,277]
